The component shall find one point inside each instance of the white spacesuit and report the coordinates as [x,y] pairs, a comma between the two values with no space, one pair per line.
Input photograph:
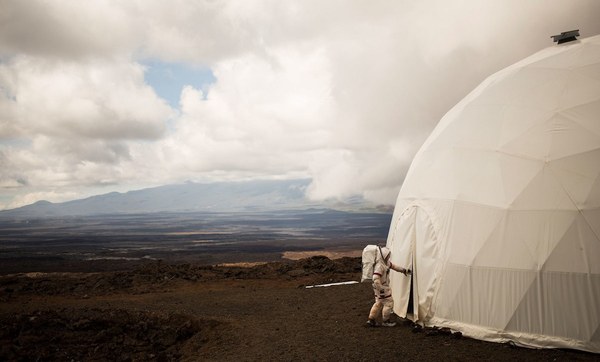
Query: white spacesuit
[383,293]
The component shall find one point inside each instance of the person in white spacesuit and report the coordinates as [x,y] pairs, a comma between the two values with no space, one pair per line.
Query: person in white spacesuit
[383,293]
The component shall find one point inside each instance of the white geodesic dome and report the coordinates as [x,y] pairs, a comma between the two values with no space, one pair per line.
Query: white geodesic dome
[499,214]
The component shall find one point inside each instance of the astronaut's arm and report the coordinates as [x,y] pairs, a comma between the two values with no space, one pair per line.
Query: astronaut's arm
[400,269]
[377,283]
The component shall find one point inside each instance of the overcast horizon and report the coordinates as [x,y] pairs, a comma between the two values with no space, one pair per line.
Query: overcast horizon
[103,96]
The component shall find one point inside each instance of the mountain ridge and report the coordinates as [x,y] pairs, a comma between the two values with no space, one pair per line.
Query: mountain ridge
[233,196]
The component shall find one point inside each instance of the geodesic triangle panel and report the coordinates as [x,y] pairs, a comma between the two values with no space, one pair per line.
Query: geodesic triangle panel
[555,138]
[579,175]
[510,183]
[585,115]
[575,250]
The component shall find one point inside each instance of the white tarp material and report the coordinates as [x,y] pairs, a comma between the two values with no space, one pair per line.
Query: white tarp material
[331,284]
[499,214]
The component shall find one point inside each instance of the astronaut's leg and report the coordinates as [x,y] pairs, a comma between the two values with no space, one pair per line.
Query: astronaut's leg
[375,312]
[388,308]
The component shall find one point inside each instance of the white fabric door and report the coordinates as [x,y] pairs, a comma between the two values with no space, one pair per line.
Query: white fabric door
[415,246]
[401,242]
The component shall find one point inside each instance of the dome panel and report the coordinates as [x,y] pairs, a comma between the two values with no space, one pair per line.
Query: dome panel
[570,56]
[482,290]
[517,173]
[596,336]
[537,88]
[585,115]
[560,304]
[464,241]
[558,137]
[518,119]
[544,192]
[422,180]
[477,130]
[574,252]
[592,71]
[523,240]
[579,89]
[592,216]
[474,173]
[579,175]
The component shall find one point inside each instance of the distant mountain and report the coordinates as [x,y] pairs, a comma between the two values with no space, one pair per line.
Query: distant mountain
[207,197]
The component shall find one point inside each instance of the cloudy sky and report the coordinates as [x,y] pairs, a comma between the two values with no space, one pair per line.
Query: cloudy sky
[101,96]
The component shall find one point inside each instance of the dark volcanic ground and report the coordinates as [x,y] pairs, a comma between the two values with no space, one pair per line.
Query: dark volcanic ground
[160,311]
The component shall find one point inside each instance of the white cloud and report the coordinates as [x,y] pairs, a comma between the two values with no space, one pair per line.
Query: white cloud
[263,116]
[342,91]
[93,99]
[66,28]
[72,115]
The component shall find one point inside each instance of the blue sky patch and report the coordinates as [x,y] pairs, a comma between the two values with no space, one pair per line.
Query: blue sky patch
[168,79]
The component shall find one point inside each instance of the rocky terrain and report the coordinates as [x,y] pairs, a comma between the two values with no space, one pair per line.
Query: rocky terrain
[160,311]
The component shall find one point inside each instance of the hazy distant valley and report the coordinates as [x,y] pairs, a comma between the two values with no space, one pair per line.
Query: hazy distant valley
[203,223]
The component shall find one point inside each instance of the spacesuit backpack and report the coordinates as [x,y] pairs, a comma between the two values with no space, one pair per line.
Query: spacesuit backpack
[369,257]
